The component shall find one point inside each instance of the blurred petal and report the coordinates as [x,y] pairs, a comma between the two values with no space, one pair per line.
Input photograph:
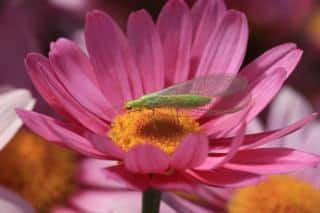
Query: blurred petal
[92,173]
[63,210]
[11,202]
[255,126]
[132,180]
[95,201]
[9,121]
[291,106]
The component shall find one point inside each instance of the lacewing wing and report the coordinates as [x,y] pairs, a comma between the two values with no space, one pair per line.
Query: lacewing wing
[228,90]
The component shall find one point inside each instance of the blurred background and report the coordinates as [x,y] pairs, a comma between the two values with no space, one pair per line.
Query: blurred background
[30,25]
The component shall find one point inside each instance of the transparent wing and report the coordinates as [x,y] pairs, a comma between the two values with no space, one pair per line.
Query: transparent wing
[210,85]
[226,105]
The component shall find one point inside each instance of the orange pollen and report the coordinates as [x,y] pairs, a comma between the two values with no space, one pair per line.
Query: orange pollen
[277,194]
[39,171]
[161,127]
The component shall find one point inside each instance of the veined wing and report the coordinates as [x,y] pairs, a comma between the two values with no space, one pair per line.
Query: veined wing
[210,85]
[224,106]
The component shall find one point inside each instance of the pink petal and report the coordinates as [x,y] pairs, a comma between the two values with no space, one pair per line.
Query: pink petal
[285,55]
[58,132]
[281,59]
[175,181]
[255,140]
[110,55]
[204,13]
[175,29]
[60,209]
[220,126]
[226,48]
[92,173]
[146,159]
[215,162]
[75,71]
[106,146]
[184,205]
[271,160]
[60,96]
[35,63]
[131,180]
[190,153]
[147,50]
[13,203]
[261,92]
[224,177]
[111,201]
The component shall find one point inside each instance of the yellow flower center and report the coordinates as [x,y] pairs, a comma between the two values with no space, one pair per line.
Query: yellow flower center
[161,127]
[277,194]
[39,171]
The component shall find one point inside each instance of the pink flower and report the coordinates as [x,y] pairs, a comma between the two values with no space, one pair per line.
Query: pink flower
[207,39]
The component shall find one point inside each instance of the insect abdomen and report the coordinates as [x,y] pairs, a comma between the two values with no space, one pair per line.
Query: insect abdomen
[184,101]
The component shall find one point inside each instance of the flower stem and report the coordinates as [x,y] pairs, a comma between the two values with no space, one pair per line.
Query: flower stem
[151,201]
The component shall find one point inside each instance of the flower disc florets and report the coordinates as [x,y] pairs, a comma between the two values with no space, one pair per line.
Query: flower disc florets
[162,127]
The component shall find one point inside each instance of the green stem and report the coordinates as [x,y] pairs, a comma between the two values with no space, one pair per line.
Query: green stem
[151,201]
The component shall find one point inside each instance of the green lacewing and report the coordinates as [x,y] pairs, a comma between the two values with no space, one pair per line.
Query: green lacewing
[194,94]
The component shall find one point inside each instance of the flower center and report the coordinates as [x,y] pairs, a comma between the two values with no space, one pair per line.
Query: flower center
[162,127]
[277,194]
[39,171]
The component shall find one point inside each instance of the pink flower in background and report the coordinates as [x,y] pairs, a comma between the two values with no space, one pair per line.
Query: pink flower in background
[184,43]
[9,125]
[286,108]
